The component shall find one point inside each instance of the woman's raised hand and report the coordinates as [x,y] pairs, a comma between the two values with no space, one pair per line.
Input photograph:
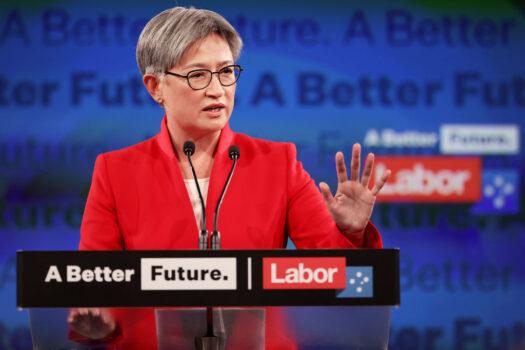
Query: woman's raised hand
[352,205]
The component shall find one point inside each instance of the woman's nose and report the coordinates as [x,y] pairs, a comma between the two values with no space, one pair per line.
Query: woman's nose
[215,88]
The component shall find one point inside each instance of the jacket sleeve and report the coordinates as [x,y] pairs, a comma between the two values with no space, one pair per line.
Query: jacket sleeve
[100,229]
[309,223]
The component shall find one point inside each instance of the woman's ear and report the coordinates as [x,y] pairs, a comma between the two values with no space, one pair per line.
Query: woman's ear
[152,83]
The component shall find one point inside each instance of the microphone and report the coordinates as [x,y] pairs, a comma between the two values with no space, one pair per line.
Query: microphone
[234,154]
[189,149]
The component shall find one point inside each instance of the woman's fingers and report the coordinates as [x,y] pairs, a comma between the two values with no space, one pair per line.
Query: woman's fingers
[95,311]
[379,185]
[364,180]
[340,167]
[355,163]
[77,313]
[367,172]
[325,191]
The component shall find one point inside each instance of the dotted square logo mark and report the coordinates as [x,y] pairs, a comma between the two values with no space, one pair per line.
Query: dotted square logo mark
[499,192]
[359,282]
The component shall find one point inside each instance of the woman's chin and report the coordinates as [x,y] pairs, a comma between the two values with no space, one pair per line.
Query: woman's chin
[213,124]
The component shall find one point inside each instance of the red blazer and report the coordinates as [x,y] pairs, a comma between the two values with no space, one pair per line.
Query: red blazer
[138,200]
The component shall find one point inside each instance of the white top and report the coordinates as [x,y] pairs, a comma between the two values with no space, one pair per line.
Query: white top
[194,196]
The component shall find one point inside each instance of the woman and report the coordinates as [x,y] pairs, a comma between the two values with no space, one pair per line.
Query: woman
[143,197]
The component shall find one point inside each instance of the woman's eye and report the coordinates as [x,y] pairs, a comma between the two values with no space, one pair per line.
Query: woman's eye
[227,70]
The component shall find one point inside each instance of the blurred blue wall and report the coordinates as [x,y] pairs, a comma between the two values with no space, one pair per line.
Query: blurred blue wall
[323,75]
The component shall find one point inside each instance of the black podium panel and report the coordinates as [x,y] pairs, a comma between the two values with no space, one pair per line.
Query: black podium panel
[208,278]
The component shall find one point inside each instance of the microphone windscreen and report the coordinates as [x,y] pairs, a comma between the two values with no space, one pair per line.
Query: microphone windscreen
[234,152]
[188,148]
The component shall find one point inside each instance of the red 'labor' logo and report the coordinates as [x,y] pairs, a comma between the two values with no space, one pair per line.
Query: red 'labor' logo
[430,179]
[304,273]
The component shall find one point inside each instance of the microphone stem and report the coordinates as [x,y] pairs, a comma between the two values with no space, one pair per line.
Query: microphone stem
[203,217]
[215,234]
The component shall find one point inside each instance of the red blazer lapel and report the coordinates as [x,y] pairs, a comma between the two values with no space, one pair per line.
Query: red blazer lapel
[184,210]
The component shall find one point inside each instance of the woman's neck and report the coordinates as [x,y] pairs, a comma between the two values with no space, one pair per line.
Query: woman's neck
[202,159]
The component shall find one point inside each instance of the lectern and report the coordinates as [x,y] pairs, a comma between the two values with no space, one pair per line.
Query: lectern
[337,299]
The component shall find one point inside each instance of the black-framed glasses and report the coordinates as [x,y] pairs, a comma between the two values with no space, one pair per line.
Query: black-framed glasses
[199,79]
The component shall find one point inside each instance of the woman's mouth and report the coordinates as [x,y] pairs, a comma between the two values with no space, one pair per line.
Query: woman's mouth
[213,109]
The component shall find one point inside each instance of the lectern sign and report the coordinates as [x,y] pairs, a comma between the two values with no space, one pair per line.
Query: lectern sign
[188,274]
[208,278]
[304,273]
[74,274]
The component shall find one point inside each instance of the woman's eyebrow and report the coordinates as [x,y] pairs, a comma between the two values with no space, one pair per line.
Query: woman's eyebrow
[204,65]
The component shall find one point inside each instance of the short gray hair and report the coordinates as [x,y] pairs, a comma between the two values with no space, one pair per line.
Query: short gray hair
[168,35]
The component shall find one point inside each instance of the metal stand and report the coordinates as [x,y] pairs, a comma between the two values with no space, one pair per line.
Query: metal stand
[211,341]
